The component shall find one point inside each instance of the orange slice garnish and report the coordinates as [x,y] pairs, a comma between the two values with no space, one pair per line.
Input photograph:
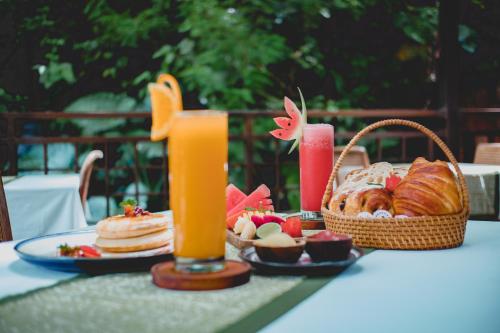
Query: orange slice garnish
[166,102]
[174,85]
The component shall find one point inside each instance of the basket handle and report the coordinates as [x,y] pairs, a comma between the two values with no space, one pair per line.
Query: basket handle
[394,122]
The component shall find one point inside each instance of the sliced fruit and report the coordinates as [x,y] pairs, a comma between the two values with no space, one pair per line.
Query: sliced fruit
[291,128]
[292,226]
[249,230]
[276,240]
[254,200]
[89,252]
[268,229]
[240,224]
[272,218]
[257,220]
[163,108]
[166,102]
[232,219]
[233,196]
[174,85]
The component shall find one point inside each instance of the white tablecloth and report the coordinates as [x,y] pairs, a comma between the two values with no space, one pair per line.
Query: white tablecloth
[44,204]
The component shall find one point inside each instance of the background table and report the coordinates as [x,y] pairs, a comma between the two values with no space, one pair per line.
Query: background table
[43,204]
[484,188]
[453,290]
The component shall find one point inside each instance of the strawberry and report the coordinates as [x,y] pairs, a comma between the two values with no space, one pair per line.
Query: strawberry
[292,226]
[128,211]
[391,182]
[89,252]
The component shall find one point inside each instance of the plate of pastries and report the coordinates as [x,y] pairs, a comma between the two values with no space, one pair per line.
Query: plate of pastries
[132,241]
[384,191]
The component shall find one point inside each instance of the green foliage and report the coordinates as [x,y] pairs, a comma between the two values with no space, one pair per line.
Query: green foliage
[9,102]
[101,102]
[99,55]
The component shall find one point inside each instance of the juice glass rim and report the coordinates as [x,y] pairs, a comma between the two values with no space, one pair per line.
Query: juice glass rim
[319,125]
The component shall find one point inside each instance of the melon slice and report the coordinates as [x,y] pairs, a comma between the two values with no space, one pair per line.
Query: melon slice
[166,102]
[254,200]
[233,196]
[291,128]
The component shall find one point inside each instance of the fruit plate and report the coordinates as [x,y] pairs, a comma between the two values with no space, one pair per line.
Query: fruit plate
[42,251]
[240,243]
[305,266]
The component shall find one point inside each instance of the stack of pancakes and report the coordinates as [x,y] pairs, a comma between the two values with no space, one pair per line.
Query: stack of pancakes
[135,233]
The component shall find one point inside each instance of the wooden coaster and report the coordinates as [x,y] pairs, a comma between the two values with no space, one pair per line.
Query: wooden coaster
[234,274]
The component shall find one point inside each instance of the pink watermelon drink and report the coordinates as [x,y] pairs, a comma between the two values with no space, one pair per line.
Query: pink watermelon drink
[316,163]
[316,154]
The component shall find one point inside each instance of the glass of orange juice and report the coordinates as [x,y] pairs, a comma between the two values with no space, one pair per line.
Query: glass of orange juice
[198,148]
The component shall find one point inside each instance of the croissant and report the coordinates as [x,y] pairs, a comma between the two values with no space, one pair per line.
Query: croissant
[429,189]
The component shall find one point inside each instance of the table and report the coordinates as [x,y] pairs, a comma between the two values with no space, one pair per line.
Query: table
[43,204]
[454,290]
[484,188]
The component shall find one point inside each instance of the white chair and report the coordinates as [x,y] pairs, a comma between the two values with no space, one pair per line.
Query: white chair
[487,153]
[357,158]
[86,172]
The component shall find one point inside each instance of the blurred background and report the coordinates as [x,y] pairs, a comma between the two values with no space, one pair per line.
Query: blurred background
[356,61]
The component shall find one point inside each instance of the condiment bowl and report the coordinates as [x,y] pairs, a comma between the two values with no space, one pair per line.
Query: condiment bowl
[336,248]
[289,254]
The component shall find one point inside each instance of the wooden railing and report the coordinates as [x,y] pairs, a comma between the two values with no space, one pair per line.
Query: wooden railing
[269,169]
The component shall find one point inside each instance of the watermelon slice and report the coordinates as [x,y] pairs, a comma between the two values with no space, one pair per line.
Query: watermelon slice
[254,200]
[233,196]
[291,128]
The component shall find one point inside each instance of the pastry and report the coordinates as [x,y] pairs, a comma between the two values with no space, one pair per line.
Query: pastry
[121,226]
[430,188]
[135,230]
[364,190]
[141,243]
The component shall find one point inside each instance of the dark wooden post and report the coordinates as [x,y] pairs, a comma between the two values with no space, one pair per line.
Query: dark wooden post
[5,230]
[449,70]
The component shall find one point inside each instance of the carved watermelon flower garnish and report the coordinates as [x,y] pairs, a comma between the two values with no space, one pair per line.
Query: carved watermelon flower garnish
[291,128]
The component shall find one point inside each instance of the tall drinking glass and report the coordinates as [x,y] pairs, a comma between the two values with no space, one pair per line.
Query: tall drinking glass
[316,163]
[198,145]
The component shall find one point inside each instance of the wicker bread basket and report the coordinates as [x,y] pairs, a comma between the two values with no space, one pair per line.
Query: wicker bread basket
[413,233]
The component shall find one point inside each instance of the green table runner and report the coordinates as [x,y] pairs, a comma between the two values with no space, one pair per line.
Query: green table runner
[131,303]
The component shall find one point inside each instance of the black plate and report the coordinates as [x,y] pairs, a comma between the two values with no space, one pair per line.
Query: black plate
[305,266]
